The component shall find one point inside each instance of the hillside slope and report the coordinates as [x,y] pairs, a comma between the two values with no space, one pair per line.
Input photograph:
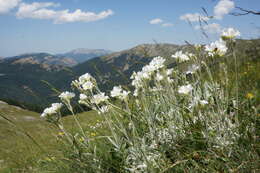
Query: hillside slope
[18,129]
[23,81]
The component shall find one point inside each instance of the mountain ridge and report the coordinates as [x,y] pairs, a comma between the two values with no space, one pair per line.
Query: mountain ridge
[83,54]
[23,82]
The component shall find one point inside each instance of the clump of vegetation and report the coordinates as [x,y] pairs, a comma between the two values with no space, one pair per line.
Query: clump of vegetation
[170,120]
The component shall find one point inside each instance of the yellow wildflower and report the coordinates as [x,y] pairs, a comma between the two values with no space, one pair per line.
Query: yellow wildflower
[81,139]
[60,133]
[93,134]
[249,95]
[49,159]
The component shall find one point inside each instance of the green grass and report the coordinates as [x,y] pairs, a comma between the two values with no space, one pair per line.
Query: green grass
[18,151]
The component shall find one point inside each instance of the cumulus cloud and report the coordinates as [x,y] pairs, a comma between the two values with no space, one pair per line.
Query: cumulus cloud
[167,24]
[81,16]
[212,28]
[7,5]
[222,8]
[193,17]
[156,21]
[41,10]
[37,10]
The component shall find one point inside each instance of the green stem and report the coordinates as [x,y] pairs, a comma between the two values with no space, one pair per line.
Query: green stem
[236,73]
[76,120]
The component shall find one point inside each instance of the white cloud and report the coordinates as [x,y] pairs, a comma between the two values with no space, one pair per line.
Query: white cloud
[81,16]
[42,11]
[222,8]
[167,24]
[156,21]
[7,5]
[212,28]
[37,10]
[194,17]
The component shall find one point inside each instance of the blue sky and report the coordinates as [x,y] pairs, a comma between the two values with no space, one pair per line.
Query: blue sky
[113,24]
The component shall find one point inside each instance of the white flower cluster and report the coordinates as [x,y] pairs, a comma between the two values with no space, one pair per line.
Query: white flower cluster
[158,77]
[181,56]
[119,93]
[83,99]
[185,89]
[230,33]
[169,71]
[85,78]
[94,102]
[66,96]
[54,109]
[217,48]
[196,101]
[85,82]
[147,71]
[99,98]
[192,69]
[204,102]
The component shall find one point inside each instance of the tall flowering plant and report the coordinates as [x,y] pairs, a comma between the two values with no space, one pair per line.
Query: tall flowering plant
[170,120]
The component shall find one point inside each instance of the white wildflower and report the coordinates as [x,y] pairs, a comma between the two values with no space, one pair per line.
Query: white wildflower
[230,33]
[83,97]
[138,78]
[158,77]
[135,93]
[155,89]
[142,166]
[147,71]
[169,71]
[85,78]
[103,109]
[217,48]
[66,96]
[186,89]
[55,107]
[88,85]
[48,111]
[119,92]
[192,69]
[191,55]
[181,56]
[204,102]
[116,91]
[157,62]
[85,82]
[99,98]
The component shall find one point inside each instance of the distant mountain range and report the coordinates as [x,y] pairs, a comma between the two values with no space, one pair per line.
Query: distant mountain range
[21,78]
[69,59]
[41,58]
[82,54]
